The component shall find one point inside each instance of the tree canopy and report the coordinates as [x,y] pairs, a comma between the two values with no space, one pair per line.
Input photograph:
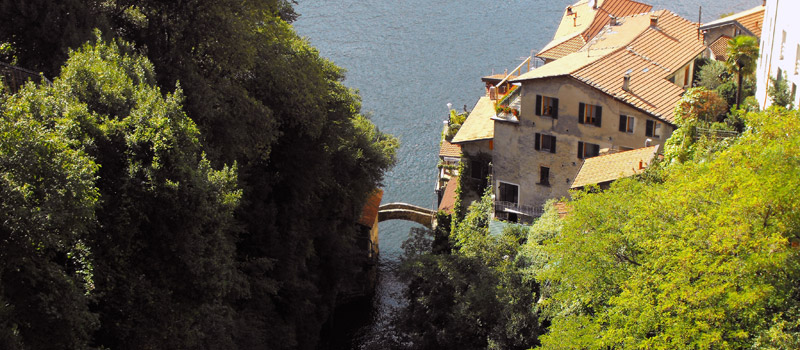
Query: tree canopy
[218,215]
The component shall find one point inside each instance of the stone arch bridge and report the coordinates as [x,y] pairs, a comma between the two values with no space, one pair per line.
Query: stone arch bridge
[408,212]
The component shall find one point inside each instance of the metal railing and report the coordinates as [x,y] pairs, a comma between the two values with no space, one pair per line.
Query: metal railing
[510,207]
[15,77]
[714,134]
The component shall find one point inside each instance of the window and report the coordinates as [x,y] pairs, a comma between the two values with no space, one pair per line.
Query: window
[783,45]
[547,106]
[653,129]
[545,143]
[797,61]
[544,176]
[507,192]
[626,123]
[587,150]
[590,114]
[686,76]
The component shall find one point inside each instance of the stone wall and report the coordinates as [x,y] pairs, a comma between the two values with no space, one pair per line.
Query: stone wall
[516,161]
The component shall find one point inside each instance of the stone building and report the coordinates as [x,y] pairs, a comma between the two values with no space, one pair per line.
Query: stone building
[616,92]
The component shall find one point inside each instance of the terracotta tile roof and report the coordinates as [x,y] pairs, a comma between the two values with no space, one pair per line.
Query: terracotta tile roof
[651,55]
[448,149]
[479,125]
[564,48]
[616,8]
[720,48]
[494,77]
[585,23]
[449,196]
[614,166]
[370,210]
[752,20]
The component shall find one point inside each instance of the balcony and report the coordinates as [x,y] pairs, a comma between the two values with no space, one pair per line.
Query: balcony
[502,209]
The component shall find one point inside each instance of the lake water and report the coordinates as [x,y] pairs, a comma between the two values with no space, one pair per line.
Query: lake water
[410,58]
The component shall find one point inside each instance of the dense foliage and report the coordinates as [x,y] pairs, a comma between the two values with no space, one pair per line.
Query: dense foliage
[220,215]
[704,258]
[701,251]
[472,296]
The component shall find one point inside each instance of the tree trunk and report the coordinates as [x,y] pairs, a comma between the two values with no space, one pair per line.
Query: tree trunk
[739,91]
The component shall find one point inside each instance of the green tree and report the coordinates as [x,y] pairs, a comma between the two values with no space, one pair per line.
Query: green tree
[261,98]
[47,203]
[780,93]
[160,246]
[703,259]
[474,297]
[742,54]
[713,74]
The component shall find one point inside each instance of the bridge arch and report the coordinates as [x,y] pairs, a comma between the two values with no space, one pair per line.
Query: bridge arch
[408,212]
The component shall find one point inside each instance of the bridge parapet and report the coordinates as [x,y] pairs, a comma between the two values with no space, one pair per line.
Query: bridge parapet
[408,212]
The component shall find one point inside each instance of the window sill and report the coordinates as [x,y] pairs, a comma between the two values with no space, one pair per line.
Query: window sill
[543,184]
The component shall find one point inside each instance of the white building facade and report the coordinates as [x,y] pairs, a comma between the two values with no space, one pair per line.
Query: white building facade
[780,49]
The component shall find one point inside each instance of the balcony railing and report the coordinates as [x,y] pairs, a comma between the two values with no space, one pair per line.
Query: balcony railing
[514,208]
[15,77]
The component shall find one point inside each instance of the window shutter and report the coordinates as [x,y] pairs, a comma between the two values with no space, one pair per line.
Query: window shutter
[595,150]
[581,108]
[580,150]
[598,116]
[649,130]
[552,144]
[623,123]
[538,140]
[555,108]
[538,105]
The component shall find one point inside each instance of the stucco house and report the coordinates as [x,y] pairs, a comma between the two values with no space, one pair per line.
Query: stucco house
[616,92]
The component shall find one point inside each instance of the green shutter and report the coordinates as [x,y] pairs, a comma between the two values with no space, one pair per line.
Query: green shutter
[538,104]
[623,123]
[580,150]
[538,140]
[555,108]
[581,108]
[598,116]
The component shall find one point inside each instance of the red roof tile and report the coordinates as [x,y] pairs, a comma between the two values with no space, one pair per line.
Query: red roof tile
[449,196]
[568,39]
[720,48]
[448,149]
[650,58]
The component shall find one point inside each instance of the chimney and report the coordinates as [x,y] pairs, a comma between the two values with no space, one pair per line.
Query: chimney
[613,20]
[569,10]
[641,164]
[653,21]
[626,81]
[647,142]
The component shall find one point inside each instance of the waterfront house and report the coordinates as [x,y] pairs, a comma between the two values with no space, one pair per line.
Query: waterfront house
[617,92]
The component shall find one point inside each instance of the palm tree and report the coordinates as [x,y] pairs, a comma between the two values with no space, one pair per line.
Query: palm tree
[742,55]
